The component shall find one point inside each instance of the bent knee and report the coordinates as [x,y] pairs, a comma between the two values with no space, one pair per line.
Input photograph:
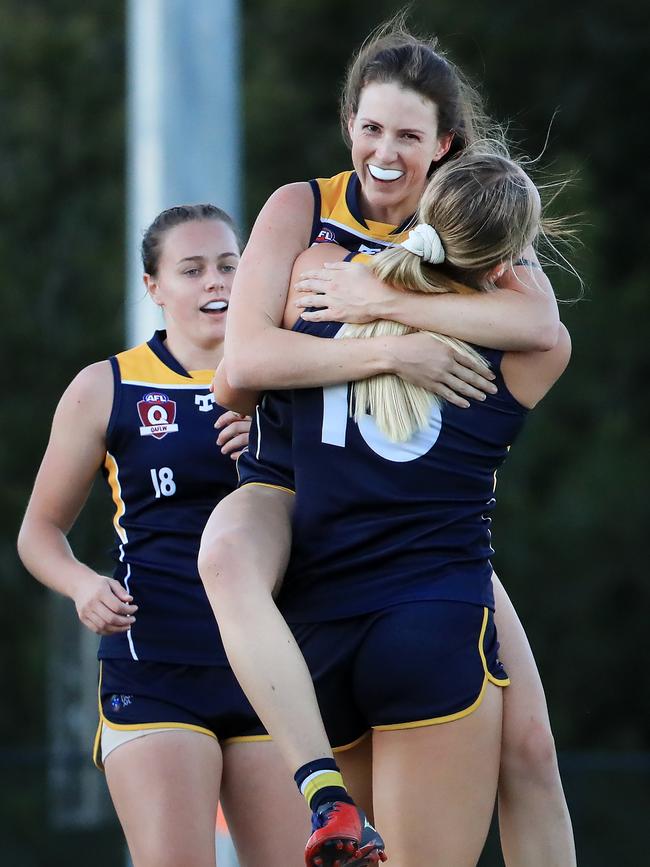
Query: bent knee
[234,570]
[221,556]
[531,754]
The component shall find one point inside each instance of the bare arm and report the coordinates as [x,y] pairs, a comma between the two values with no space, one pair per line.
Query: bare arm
[521,315]
[74,453]
[260,355]
[238,400]
[530,375]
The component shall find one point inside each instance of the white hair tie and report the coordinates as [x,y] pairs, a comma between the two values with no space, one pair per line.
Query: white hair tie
[425,242]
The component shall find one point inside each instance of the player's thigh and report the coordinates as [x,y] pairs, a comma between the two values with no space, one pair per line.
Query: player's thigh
[430,681]
[526,694]
[434,787]
[248,533]
[266,814]
[527,737]
[355,764]
[165,788]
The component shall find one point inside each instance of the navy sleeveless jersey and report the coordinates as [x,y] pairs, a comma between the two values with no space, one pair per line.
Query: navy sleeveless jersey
[338,220]
[166,474]
[378,523]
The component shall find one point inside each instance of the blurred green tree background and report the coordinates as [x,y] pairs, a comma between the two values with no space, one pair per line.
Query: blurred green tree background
[569,80]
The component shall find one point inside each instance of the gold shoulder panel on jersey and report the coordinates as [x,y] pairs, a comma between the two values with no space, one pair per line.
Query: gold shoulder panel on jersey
[141,364]
[334,209]
[332,190]
[334,206]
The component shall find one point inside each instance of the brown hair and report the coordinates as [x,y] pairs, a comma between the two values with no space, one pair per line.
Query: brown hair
[153,237]
[393,54]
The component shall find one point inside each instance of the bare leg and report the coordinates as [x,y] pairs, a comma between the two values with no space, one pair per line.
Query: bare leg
[165,788]
[244,552]
[266,814]
[356,767]
[534,819]
[435,787]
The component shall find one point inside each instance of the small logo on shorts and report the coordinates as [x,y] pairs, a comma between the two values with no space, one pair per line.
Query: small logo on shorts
[120,701]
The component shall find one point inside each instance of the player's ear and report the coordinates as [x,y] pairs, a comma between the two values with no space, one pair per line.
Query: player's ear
[152,289]
[443,145]
[496,273]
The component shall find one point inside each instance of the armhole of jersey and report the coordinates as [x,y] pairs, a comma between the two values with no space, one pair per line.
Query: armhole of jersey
[317,211]
[350,257]
[495,357]
[117,394]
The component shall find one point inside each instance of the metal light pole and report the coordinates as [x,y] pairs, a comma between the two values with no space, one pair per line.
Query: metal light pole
[184,139]
[183,136]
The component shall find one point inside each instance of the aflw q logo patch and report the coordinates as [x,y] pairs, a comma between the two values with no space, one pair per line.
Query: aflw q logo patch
[157,413]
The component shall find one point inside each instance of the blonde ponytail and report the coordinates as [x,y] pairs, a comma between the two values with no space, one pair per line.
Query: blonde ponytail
[483,210]
[399,408]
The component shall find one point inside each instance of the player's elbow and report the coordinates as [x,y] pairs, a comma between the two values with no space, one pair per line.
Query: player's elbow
[243,377]
[20,546]
[23,544]
[222,391]
[543,331]
[244,370]
[237,400]
[546,335]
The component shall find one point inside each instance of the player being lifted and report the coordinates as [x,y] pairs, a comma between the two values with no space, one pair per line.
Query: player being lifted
[407,112]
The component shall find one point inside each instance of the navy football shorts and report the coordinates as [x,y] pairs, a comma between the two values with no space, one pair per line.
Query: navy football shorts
[136,695]
[251,471]
[413,664]
[268,458]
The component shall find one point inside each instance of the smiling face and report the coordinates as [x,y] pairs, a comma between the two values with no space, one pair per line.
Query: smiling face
[195,273]
[394,141]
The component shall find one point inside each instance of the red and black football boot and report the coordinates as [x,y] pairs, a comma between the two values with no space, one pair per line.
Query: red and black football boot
[342,836]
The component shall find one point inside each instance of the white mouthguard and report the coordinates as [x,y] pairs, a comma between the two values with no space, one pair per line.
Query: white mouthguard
[384,174]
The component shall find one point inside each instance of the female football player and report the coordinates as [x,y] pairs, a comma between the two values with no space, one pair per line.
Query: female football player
[406,111]
[175,730]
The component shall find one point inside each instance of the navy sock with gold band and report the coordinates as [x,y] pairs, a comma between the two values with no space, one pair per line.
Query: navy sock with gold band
[320,781]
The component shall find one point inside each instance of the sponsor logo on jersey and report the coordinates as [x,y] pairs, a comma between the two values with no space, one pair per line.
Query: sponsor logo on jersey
[205,402]
[369,250]
[325,236]
[157,414]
